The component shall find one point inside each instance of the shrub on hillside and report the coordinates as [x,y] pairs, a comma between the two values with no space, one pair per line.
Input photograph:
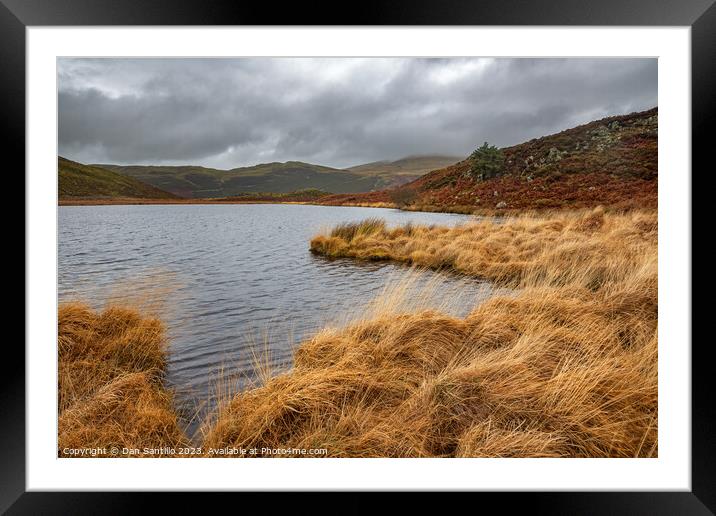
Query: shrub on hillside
[487,161]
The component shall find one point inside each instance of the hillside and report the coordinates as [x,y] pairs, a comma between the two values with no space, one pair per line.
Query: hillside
[76,180]
[201,182]
[612,161]
[291,176]
[405,170]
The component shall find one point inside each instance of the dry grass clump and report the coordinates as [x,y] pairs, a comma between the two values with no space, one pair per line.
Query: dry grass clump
[110,391]
[351,230]
[567,367]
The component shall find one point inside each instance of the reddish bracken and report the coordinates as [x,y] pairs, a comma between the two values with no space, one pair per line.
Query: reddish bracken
[611,162]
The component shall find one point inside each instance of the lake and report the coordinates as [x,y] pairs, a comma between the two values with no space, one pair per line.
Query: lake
[231,278]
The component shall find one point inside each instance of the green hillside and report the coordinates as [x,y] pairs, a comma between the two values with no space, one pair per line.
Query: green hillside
[202,182]
[76,180]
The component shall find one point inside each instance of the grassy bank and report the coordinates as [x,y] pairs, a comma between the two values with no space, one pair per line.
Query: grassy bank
[589,248]
[566,366]
[110,391]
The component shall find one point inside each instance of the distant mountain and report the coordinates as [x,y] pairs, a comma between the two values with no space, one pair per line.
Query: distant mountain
[202,182]
[76,180]
[612,161]
[406,169]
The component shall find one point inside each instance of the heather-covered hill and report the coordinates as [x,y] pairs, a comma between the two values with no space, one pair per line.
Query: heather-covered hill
[612,161]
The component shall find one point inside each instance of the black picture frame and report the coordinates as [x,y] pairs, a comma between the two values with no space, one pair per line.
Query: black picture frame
[700,15]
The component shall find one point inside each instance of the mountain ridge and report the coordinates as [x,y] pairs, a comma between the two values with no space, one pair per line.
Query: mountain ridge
[279,177]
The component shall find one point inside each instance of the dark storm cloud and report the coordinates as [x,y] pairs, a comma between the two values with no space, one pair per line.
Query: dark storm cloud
[234,112]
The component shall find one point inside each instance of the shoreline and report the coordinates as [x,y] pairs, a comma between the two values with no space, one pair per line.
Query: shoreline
[457,210]
[133,202]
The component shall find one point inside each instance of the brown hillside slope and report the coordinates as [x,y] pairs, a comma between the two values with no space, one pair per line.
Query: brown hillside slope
[611,162]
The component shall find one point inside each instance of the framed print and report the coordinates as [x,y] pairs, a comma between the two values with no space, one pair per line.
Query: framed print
[419,249]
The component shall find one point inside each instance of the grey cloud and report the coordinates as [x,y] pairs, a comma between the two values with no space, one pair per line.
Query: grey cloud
[339,112]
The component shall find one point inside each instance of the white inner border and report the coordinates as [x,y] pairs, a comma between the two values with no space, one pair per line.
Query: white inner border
[672,468]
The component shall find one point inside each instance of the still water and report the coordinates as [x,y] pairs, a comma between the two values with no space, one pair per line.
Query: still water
[232,278]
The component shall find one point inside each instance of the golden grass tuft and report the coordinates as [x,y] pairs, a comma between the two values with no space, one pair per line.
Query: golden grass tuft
[566,367]
[110,391]
[349,231]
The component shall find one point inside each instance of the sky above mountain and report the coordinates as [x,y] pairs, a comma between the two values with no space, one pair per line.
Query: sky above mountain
[339,112]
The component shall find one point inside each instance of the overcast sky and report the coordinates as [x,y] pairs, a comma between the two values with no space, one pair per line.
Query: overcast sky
[227,113]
